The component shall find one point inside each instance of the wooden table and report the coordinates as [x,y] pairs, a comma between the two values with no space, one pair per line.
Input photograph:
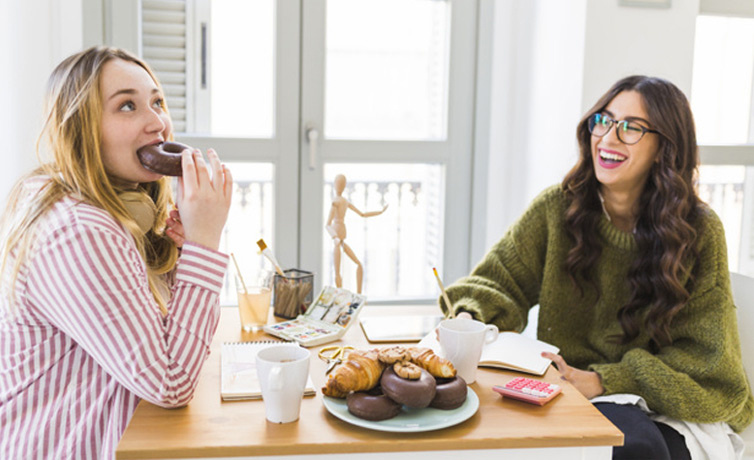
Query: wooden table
[568,427]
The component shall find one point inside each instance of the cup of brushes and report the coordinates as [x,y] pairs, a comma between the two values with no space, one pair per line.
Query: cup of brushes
[292,288]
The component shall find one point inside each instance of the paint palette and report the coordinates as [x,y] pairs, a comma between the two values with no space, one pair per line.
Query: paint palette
[326,319]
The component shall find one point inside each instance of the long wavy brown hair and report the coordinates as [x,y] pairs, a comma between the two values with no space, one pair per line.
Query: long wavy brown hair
[669,206]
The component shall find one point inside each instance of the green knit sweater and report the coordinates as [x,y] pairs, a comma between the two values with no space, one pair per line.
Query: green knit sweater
[699,378]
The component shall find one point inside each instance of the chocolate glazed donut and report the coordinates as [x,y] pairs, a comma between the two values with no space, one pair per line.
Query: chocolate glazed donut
[372,405]
[451,393]
[415,394]
[164,158]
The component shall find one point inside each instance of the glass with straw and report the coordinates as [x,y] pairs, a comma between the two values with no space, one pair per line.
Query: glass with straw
[254,296]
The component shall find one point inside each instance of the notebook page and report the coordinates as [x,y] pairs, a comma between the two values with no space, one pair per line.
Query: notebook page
[239,378]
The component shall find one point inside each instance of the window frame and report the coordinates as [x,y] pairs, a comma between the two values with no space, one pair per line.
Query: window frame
[288,150]
[736,154]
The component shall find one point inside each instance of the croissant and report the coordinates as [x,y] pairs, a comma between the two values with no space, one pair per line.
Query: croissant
[435,365]
[361,371]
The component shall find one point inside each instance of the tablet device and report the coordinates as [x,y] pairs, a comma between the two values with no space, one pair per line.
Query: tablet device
[382,329]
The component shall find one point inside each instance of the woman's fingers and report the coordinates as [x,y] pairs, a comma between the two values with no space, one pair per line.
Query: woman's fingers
[217,170]
[227,182]
[559,362]
[188,179]
[179,239]
[175,225]
[589,383]
[215,174]
[174,228]
[202,172]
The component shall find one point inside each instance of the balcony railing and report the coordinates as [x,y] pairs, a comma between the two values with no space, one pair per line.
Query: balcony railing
[727,200]
[397,249]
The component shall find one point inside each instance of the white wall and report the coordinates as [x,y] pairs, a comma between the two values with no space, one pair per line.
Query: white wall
[622,41]
[550,61]
[556,82]
[34,36]
[532,102]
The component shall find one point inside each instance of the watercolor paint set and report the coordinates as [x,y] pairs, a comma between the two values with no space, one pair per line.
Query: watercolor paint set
[326,319]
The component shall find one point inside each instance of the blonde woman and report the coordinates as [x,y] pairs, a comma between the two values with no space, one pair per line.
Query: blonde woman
[98,307]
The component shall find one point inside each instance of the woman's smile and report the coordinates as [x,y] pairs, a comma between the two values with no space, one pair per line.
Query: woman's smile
[611,159]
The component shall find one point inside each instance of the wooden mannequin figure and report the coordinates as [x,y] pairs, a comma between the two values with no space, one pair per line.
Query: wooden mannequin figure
[336,227]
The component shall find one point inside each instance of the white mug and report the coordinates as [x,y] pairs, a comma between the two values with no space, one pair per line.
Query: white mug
[462,340]
[283,371]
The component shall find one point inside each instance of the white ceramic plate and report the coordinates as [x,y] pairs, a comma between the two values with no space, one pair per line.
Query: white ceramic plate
[409,420]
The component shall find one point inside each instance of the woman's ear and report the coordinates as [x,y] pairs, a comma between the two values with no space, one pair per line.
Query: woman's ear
[658,155]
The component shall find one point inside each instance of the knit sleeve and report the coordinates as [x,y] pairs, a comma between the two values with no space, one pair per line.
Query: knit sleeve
[505,284]
[699,377]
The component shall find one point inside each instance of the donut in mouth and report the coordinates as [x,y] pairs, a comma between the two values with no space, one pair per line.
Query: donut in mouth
[163,158]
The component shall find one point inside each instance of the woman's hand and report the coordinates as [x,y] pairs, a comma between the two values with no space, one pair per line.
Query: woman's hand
[174,228]
[587,382]
[204,197]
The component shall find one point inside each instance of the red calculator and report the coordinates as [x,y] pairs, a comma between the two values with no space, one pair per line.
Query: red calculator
[529,390]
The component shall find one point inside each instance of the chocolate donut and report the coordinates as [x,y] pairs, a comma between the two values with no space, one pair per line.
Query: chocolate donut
[450,394]
[372,405]
[415,394]
[164,158]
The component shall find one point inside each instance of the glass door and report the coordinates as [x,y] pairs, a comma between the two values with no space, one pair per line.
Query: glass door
[230,70]
[293,93]
[387,102]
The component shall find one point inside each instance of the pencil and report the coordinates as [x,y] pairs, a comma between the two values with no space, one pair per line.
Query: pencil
[444,294]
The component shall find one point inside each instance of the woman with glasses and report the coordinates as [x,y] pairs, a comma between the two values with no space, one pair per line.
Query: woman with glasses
[630,271]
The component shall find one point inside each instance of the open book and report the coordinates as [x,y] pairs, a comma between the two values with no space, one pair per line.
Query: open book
[511,351]
[238,371]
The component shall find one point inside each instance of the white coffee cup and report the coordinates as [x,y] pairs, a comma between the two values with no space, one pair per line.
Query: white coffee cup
[283,371]
[462,340]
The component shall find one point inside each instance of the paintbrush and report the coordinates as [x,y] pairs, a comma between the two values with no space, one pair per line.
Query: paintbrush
[268,253]
[238,269]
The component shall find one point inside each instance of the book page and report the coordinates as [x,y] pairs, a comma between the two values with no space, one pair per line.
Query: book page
[511,350]
[518,352]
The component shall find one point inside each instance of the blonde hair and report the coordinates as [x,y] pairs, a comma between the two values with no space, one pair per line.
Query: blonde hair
[72,130]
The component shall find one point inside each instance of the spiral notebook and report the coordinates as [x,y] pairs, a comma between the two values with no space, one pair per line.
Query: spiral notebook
[238,371]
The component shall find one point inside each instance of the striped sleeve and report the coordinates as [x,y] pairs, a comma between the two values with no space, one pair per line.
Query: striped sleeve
[89,280]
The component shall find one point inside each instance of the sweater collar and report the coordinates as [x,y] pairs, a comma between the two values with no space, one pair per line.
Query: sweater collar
[614,236]
[604,209]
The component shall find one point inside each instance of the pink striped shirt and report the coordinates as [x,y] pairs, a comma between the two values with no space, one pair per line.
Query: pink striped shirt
[89,341]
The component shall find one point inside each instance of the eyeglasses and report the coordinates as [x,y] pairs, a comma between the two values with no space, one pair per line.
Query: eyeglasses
[629,132]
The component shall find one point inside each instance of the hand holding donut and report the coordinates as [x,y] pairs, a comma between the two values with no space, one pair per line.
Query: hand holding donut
[204,197]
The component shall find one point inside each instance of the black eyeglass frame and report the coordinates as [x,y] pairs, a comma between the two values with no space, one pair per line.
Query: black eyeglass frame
[614,123]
